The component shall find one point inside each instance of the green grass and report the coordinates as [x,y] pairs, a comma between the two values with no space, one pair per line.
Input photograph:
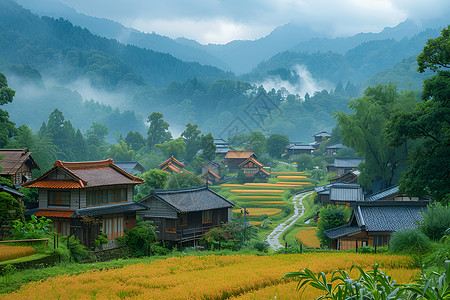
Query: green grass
[24,259]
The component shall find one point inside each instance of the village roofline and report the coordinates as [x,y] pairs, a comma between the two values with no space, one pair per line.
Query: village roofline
[171,159]
[17,162]
[252,160]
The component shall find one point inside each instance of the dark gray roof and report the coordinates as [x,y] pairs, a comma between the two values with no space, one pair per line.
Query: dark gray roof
[391,191]
[322,133]
[299,147]
[347,162]
[109,209]
[349,192]
[381,216]
[337,146]
[217,164]
[130,166]
[220,142]
[191,199]
[11,191]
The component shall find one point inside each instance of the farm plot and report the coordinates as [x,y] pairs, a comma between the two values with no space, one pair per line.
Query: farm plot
[307,236]
[13,252]
[207,277]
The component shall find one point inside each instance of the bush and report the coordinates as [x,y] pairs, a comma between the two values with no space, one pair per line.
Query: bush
[410,241]
[366,249]
[261,246]
[331,216]
[140,239]
[436,220]
[77,250]
[33,229]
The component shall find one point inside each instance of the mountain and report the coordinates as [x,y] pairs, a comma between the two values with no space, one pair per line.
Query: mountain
[114,30]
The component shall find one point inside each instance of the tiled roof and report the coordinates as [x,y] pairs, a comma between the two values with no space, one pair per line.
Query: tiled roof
[172,160]
[220,142]
[386,193]
[56,184]
[54,213]
[130,166]
[348,192]
[322,133]
[253,161]
[212,173]
[239,154]
[191,199]
[341,231]
[336,146]
[109,209]
[264,171]
[213,162]
[13,159]
[172,167]
[347,162]
[11,191]
[86,174]
[299,147]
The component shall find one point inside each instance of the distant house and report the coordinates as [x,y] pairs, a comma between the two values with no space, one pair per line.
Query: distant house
[132,167]
[172,165]
[348,177]
[332,150]
[293,151]
[222,147]
[392,194]
[340,193]
[82,197]
[253,168]
[17,165]
[321,136]
[372,223]
[214,166]
[184,215]
[235,158]
[210,177]
[343,165]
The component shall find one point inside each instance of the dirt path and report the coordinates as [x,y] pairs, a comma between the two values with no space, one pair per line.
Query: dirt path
[299,210]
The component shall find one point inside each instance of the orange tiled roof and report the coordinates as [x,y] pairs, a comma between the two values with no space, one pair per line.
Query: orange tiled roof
[239,154]
[89,174]
[172,160]
[172,167]
[13,159]
[212,173]
[55,213]
[56,184]
[253,161]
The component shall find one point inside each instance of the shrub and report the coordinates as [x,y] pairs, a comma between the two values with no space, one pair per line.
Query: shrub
[261,246]
[139,239]
[331,216]
[100,240]
[33,229]
[77,250]
[410,241]
[436,220]
[366,249]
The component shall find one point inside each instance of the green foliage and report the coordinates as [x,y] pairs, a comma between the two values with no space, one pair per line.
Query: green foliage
[158,131]
[36,228]
[208,146]
[365,130]
[175,148]
[192,137]
[257,142]
[276,144]
[10,212]
[436,54]
[184,179]
[121,152]
[77,250]
[331,216]
[135,140]
[410,241]
[435,221]
[140,239]
[6,182]
[154,179]
[261,246]
[7,128]
[100,240]
[304,162]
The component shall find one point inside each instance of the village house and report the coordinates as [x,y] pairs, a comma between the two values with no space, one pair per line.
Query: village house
[172,165]
[340,194]
[17,165]
[132,167]
[293,151]
[235,158]
[332,150]
[392,194]
[214,166]
[348,177]
[210,177]
[373,222]
[182,216]
[254,169]
[344,164]
[222,147]
[83,197]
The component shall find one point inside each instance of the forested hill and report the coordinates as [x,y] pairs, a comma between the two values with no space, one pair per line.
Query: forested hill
[41,42]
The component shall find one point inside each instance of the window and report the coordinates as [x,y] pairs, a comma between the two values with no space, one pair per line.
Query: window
[113,227]
[106,196]
[171,225]
[62,227]
[380,240]
[206,216]
[58,198]
[183,219]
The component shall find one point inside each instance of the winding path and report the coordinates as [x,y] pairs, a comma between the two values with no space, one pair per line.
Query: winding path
[299,210]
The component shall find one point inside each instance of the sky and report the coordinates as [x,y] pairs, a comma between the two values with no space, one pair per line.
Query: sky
[221,21]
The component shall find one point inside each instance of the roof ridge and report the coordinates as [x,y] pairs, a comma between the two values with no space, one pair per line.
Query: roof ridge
[195,188]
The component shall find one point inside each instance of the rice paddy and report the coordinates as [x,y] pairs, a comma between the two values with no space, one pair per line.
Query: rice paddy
[307,236]
[259,211]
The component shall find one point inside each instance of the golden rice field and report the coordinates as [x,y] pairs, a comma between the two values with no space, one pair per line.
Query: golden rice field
[13,252]
[257,191]
[291,177]
[208,277]
[287,173]
[308,237]
[258,197]
[270,202]
[258,211]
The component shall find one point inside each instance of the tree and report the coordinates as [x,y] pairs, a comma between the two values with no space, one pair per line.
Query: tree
[184,179]
[158,131]
[10,210]
[208,146]
[154,179]
[365,130]
[176,148]
[331,216]
[7,128]
[304,162]
[192,137]
[276,144]
[428,125]
[135,140]
[120,152]
[98,129]
[257,142]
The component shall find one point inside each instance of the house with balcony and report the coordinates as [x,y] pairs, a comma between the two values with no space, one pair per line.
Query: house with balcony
[86,199]
[17,165]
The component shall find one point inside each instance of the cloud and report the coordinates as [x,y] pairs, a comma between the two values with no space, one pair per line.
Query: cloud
[219,21]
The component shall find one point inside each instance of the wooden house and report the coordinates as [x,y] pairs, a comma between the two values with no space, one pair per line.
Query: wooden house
[132,167]
[348,177]
[343,165]
[293,151]
[392,194]
[332,150]
[372,223]
[172,165]
[183,215]
[222,147]
[235,158]
[82,197]
[214,166]
[340,194]
[210,177]
[17,165]
[253,168]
